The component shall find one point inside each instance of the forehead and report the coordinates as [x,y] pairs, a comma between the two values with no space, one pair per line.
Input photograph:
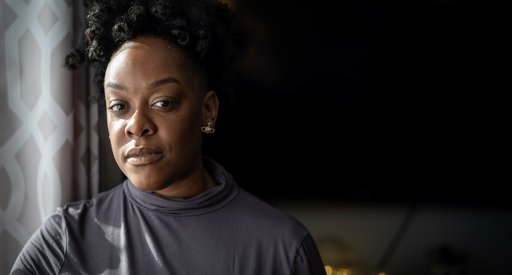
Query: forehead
[148,43]
[146,59]
[148,51]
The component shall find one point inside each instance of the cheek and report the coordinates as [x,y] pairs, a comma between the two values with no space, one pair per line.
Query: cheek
[184,133]
[115,131]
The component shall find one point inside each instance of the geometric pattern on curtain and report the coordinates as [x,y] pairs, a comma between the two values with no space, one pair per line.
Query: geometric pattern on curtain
[48,139]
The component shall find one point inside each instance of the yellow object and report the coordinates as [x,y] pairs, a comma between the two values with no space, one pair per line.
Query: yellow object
[338,271]
[343,271]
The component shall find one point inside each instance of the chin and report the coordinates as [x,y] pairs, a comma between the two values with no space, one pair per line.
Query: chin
[147,185]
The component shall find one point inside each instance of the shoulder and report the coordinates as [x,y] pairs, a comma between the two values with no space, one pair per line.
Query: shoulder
[104,202]
[275,234]
[254,212]
[248,202]
[45,251]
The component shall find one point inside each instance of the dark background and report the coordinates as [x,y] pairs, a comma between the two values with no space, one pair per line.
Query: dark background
[364,117]
[364,101]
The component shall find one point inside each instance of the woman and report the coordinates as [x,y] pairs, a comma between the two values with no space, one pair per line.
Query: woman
[161,65]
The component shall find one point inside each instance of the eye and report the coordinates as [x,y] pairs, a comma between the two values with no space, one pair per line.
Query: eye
[166,104]
[117,107]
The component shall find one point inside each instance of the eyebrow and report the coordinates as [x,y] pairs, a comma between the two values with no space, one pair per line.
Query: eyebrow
[161,82]
[151,85]
[116,86]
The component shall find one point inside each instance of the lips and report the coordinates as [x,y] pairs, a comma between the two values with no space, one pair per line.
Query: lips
[143,156]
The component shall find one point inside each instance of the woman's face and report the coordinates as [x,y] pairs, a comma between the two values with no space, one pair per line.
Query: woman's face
[155,110]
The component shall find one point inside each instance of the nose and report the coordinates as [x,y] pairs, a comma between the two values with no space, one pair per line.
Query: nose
[140,125]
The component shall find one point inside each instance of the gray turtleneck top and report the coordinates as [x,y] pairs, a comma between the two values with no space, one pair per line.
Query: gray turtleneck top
[224,230]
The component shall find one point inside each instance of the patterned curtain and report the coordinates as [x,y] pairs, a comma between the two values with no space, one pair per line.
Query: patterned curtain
[48,135]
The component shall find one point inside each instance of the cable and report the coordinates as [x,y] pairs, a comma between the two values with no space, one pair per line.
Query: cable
[397,238]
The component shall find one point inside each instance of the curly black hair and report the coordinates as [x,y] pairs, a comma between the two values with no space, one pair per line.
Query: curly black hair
[204,30]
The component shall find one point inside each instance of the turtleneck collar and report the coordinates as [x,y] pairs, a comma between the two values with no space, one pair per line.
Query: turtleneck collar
[210,200]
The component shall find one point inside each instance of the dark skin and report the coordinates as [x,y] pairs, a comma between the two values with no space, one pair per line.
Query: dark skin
[156,106]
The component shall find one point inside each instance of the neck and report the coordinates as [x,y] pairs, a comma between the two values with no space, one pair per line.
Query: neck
[196,184]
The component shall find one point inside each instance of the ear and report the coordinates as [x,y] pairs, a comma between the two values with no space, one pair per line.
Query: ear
[210,107]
